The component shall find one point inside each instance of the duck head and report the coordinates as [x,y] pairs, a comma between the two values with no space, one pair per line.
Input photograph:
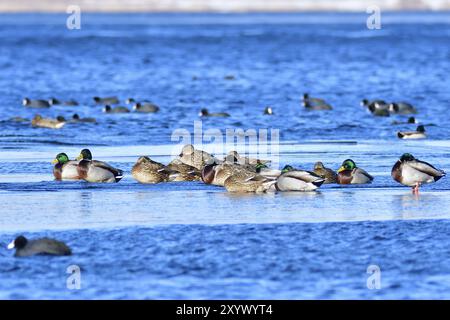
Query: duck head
[318,165]
[348,164]
[421,129]
[407,157]
[393,107]
[107,108]
[137,106]
[143,159]
[412,120]
[204,112]
[18,243]
[85,154]
[364,102]
[75,116]
[187,150]
[25,101]
[287,168]
[61,158]
[268,111]
[232,157]
[259,166]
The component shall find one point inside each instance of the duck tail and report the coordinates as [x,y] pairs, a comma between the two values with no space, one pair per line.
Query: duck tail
[318,182]
[400,135]
[268,186]
[119,175]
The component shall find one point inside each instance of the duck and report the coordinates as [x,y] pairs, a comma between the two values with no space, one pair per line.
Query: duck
[412,172]
[235,157]
[35,103]
[76,118]
[118,109]
[366,103]
[43,246]
[130,101]
[216,174]
[145,107]
[402,108]
[418,134]
[328,174]
[411,120]
[96,171]
[349,173]
[195,158]
[205,113]
[379,110]
[39,121]
[297,180]
[315,103]
[64,168]
[185,171]
[268,111]
[145,170]
[241,182]
[54,102]
[106,100]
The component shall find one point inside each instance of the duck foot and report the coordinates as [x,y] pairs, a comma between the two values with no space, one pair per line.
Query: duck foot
[415,190]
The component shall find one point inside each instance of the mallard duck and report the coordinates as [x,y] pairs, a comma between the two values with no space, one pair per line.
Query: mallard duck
[205,113]
[76,118]
[130,101]
[298,180]
[96,171]
[412,172]
[35,103]
[106,100]
[145,170]
[183,172]
[44,246]
[411,120]
[235,157]
[195,158]
[328,174]
[402,108]
[145,107]
[56,102]
[379,110]
[239,182]
[349,173]
[216,174]
[38,121]
[315,103]
[366,103]
[64,168]
[418,134]
[118,109]
[268,111]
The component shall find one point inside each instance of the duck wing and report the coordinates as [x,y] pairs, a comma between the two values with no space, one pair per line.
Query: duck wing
[303,175]
[426,168]
[364,172]
[103,165]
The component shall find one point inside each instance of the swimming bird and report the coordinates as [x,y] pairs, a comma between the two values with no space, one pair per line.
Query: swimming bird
[64,168]
[194,157]
[145,107]
[328,174]
[411,120]
[130,101]
[35,103]
[39,121]
[366,103]
[205,113]
[76,118]
[349,173]
[44,246]
[402,108]
[315,103]
[380,110]
[298,180]
[412,172]
[268,111]
[54,102]
[145,170]
[106,101]
[118,109]
[96,171]
[418,134]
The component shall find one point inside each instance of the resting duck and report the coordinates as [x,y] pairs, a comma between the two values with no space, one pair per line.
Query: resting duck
[145,170]
[379,110]
[216,174]
[402,108]
[328,174]
[240,182]
[205,113]
[96,171]
[366,103]
[56,102]
[298,180]
[44,246]
[106,101]
[411,120]
[418,134]
[76,118]
[145,107]
[349,173]
[412,172]
[235,157]
[184,172]
[315,103]
[64,168]
[195,158]
[38,121]
[35,103]
[118,109]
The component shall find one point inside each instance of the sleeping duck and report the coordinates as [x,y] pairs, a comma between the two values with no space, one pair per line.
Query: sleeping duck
[298,180]
[96,171]
[185,171]
[328,174]
[418,134]
[145,107]
[402,108]
[145,170]
[195,157]
[241,182]
[349,173]
[39,121]
[412,172]
[64,168]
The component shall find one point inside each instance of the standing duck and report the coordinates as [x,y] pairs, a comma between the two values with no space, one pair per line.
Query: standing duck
[145,170]
[35,103]
[315,103]
[418,134]
[349,173]
[412,172]
[328,174]
[205,113]
[44,246]
[298,180]
[96,171]
[64,168]
[39,121]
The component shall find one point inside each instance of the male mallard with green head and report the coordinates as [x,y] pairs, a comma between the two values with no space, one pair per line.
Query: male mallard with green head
[418,134]
[349,173]
[298,180]
[328,174]
[412,172]
[64,168]
[96,171]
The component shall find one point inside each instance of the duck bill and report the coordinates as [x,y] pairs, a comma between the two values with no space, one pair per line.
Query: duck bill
[342,168]
[55,161]
[11,245]
[80,157]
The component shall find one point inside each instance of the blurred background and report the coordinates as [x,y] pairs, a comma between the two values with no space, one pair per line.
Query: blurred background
[218,5]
